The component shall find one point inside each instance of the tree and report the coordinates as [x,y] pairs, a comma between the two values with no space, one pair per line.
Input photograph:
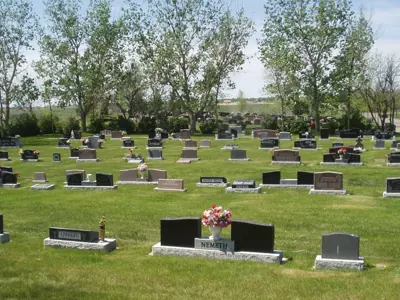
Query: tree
[379,87]
[352,62]
[78,53]
[26,94]
[241,102]
[310,32]
[191,47]
[18,29]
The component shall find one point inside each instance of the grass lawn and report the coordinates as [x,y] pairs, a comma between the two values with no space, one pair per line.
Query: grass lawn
[28,271]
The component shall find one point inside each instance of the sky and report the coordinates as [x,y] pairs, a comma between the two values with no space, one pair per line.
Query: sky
[385,16]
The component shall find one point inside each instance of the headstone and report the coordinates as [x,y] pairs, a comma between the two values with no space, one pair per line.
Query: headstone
[1,224]
[253,237]
[213,180]
[154,143]
[8,177]
[237,154]
[128,175]
[393,185]
[271,133]
[6,169]
[56,157]
[180,232]
[257,122]
[152,134]
[286,156]
[10,142]
[337,145]
[29,154]
[73,235]
[394,157]
[340,246]
[62,143]
[269,143]
[328,181]
[306,144]
[271,177]
[185,134]
[285,136]
[305,178]
[116,134]
[379,144]
[103,179]
[190,144]
[155,175]
[4,155]
[155,154]
[354,158]
[164,135]
[75,179]
[244,184]
[171,185]
[329,158]
[350,134]
[87,154]
[94,142]
[39,177]
[189,154]
[223,135]
[394,144]
[324,133]
[205,144]
[74,153]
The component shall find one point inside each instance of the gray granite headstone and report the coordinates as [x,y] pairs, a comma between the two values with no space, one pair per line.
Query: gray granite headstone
[238,154]
[190,144]
[155,175]
[56,157]
[205,143]
[39,176]
[286,155]
[155,153]
[328,181]
[87,154]
[285,135]
[379,144]
[184,134]
[340,246]
[93,142]
[128,175]
[187,153]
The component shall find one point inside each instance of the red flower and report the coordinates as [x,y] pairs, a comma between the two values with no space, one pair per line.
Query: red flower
[213,206]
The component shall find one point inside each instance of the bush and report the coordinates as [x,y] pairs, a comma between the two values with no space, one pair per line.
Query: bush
[208,127]
[332,125]
[146,124]
[270,123]
[357,120]
[297,125]
[176,124]
[49,123]
[71,124]
[96,125]
[390,127]
[25,125]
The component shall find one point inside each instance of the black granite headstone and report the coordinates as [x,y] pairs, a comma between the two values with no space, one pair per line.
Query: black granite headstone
[253,237]
[1,224]
[234,133]
[354,158]
[324,133]
[128,143]
[244,184]
[74,178]
[6,169]
[103,179]
[73,235]
[56,157]
[62,142]
[337,145]
[180,232]
[305,178]
[340,246]
[8,177]
[154,143]
[29,154]
[164,135]
[329,157]
[74,152]
[3,155]
[238,154]
[152,134]
[350,134]
[213,180]
[269,143]
[394,144]
[8,141]
[394,157]
[271,177]
[393,185]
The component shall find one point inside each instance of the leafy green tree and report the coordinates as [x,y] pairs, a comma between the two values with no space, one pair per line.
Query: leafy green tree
[241,102]
[78,53]
[190,47]
[18,30]
[311,34]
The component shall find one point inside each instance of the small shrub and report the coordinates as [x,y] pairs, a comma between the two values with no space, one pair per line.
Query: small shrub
[145,124]
[208,127]
[25,125]
[71,124]
[176,124]
[49,123]
[270,123]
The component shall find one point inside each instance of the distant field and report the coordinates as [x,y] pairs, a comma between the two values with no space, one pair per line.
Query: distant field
[266,107]
[62,113]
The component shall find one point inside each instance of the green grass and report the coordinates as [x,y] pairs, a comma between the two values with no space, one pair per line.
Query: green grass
[28,271]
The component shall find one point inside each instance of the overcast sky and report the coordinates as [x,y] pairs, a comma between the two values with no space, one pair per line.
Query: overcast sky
[385,20]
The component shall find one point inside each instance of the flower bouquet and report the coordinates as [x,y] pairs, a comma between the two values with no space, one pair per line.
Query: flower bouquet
[36,152]
[342,150]
[216,218]
[142,168]
[102,227]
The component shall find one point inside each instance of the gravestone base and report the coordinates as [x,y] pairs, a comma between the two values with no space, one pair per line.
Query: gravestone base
[190,148]
[243,190]
[90,187]
[306,149]
[10,185]
[45,187]
[106,246]
[134,161]
[5,159]
[285,139]
[187,160]
[170,190]
[274,162]
[199,184]
[88,160]
[134,147]
[391,195]
[244,159]
[39,181]
[338,264]
[273,148]
[274,258]
[230,148]
[217,139]
[341,163]
[382,148]
[116,139]
[346,139]
[286,186]
[202,147]
[155,158]
[88,183]
[393,164]
[144,181]
[4,237]
[29,160]
[328,192]
[73,157]
[64,147]
[149,148]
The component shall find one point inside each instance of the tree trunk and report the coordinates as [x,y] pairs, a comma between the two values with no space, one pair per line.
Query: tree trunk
[348,108]
[193,121]
[83,121]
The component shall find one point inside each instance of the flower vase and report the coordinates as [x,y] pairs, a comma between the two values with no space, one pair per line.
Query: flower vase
[215,231]
[341,156]
[142,174]
[102,233]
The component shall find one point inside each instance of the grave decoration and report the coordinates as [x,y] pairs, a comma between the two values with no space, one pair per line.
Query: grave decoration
[212,182]
[29,155]
[4,236]
[249,241]
[133,158]
[80,239]
[340,251]
[243,186]
[142,168]
[216,218]
[230,147]
[84,142]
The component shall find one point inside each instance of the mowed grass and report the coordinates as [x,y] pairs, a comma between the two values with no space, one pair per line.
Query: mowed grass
[28,271]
